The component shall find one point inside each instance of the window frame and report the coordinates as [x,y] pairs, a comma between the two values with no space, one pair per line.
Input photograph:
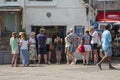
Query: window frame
[40,3]
[11,1]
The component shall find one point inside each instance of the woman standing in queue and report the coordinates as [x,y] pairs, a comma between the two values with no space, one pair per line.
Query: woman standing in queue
[24,49]
[58,48]
[87,46]
[14,48]
[32,48]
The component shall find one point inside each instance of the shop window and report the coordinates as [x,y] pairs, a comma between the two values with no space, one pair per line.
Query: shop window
[11,0]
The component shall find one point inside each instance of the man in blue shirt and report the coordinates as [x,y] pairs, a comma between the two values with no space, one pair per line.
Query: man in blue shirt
[42,50]
[106,46]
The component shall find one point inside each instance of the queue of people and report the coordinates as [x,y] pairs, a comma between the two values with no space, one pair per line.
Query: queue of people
[85,45]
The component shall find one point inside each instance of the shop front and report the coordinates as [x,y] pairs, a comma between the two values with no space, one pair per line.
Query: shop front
[112,17]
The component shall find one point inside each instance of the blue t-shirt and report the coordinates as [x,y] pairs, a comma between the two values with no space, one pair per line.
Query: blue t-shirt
[106,39]
[86,39]
[41,39]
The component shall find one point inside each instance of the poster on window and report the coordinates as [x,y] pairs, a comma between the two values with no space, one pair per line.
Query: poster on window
[79,30]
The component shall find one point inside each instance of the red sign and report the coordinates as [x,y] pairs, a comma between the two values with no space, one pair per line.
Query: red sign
[110,16]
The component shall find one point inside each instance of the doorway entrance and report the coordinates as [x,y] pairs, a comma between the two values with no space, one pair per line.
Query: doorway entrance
[53,30]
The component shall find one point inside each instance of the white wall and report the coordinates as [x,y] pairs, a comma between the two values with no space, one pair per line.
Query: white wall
[64,12]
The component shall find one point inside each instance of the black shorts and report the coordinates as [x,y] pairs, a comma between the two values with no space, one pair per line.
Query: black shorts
[94,46]
[48,47]
[42,50]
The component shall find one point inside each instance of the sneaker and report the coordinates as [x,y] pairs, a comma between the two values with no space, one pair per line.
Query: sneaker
[75,60]
[95,63]
[49,62]
[99,65]
[112,68]
[46,62]
[38,64]
[83,63]
[67,63]
[72,63]
[57,62]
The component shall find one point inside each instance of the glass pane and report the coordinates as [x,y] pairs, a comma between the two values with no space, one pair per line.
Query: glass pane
[10,0]
[40,0]
[9,22]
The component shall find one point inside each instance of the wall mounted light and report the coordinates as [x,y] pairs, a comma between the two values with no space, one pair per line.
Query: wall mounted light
[48,14]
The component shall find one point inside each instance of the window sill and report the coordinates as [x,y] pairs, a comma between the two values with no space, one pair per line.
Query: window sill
[10,4]
[42,4]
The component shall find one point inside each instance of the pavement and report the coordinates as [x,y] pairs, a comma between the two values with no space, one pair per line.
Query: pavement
[60,72]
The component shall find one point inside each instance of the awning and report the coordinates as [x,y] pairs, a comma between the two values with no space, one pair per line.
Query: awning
[113,16]
[10,8]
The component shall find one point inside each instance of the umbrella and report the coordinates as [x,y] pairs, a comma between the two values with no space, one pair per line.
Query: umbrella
[117,23]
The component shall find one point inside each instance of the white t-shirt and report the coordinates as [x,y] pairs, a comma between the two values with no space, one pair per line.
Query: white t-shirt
[32,40]
[24,44]
[67,44]
[94,37]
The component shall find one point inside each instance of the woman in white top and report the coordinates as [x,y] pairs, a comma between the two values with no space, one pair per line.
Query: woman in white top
[66,49]
[95,41]
[24,50]
[32,48]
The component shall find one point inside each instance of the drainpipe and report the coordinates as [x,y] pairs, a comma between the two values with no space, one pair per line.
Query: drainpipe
[89,8]
[24,17]
[104,11]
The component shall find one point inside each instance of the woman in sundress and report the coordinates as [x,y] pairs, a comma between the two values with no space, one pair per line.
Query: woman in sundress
[14,49]
[32,48]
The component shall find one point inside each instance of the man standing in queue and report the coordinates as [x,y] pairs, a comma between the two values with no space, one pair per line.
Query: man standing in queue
[42,50]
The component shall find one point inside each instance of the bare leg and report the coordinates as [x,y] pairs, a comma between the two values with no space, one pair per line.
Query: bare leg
[95,56]
[13,60]
[87,57]
[103,59]
[39,58]
[83,58]
[49,56]
[16,57]
[71,55]
[67,58]
[59,56]
[45,58]
[110,65]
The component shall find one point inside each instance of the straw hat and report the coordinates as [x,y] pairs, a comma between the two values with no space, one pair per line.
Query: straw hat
[20,33]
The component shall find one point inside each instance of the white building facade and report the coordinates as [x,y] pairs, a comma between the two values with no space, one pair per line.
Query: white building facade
[67,13]
[57,16]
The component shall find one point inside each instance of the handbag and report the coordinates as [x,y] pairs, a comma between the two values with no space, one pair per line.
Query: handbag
[51,47]
[81,48]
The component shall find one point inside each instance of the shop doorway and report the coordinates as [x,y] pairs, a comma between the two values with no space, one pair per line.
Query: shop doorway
[53,30]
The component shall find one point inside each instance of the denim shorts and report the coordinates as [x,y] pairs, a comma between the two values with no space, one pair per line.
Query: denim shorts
[71,49]
[108,52]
